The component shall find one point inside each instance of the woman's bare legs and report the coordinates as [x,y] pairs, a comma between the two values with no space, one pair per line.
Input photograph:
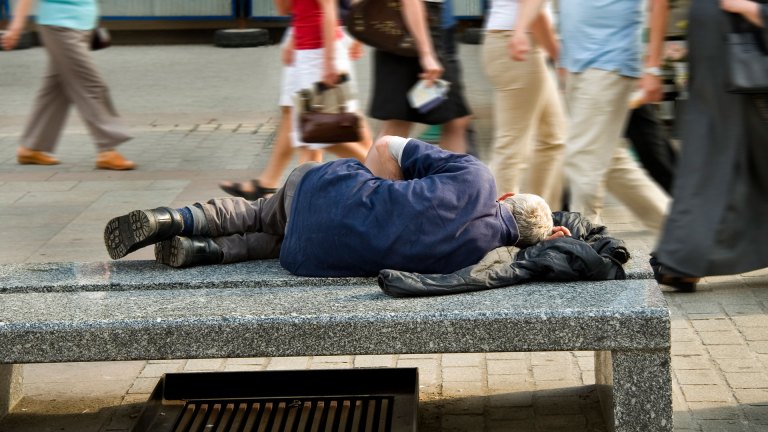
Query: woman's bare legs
[454,135]
[269,178]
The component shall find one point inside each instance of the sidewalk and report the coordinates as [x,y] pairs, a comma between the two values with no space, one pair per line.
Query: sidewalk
[201,114]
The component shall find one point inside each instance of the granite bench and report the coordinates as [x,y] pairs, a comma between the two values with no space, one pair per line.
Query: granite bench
[138,310]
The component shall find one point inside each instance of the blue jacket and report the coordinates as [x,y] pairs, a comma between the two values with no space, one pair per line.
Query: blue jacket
[345,221]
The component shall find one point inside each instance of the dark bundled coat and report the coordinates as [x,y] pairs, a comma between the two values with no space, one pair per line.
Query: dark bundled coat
[590,254]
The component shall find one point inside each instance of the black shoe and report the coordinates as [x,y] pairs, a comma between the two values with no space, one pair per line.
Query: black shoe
[140,228]
[188,251]
[664,277]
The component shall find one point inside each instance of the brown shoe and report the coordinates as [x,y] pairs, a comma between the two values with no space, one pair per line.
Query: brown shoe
[26,156]
[112,160]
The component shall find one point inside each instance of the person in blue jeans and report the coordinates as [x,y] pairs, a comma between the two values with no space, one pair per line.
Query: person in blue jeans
[411,206]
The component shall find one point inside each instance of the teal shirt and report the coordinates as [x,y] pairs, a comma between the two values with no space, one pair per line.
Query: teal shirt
[74,14]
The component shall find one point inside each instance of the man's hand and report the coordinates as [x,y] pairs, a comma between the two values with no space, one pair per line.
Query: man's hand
[519,46]
[559,231]
[748,9]
[11,38]
[652,89]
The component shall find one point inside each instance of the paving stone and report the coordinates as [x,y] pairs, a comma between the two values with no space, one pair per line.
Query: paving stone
[462,374]
[746,380]
[723,426]
[730,337]
[706,393]
[286,363]
[506,367]
[686,377]
[449,360]
[204,365]
[375,361]
[684,362]
[752,396]
[739,365]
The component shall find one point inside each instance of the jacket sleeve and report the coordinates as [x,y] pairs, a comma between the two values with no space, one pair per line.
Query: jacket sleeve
[562,259]
[764,15]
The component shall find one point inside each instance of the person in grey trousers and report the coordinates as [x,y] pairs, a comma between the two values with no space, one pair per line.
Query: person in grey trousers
[66,27]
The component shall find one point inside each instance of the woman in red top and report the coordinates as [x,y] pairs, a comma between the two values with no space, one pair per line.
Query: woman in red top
[320,54]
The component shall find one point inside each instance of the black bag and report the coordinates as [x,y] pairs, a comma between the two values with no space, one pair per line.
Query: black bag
[747,57]
[100,39]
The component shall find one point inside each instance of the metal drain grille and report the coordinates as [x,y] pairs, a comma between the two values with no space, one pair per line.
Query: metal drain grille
[332,400]
[357,414]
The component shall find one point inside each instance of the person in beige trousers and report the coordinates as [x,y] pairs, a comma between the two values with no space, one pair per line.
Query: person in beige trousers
[65,27]
[600,79]
[529,118]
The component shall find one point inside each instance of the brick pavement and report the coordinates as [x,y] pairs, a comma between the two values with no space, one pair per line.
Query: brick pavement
[207,114]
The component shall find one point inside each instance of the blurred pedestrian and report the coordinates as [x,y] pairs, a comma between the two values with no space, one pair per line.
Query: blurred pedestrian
[600,79]
[321,55]
[394,76]
[528,113]
[65,27]
[268,180]
[714,227]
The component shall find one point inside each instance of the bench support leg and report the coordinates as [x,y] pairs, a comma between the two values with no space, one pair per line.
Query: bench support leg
[635,390]
[11,379]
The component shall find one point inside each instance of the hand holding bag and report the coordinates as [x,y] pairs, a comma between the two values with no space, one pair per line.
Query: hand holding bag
[380,24]
[747,57]
[320,123]
[100,39]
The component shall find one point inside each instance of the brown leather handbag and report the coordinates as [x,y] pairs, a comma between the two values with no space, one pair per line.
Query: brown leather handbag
[380,24]
[321,123]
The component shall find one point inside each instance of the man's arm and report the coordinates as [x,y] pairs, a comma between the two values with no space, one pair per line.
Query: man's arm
[19,21]
[415,17]
[382,160]
[650,82]
[520,42]
[545,36]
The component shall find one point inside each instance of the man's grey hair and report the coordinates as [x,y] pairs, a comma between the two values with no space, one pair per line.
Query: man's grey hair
[533,217]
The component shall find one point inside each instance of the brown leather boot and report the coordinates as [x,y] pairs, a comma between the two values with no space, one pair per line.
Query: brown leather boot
[112,160]
[25,156]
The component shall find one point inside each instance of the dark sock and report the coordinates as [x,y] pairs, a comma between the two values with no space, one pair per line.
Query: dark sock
[189,221]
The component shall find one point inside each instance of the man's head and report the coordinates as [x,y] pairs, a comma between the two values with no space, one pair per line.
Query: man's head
[533,217]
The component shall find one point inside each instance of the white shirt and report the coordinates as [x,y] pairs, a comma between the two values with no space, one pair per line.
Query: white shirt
[503,14]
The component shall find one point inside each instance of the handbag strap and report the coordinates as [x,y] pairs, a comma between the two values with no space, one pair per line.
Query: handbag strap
[341,99]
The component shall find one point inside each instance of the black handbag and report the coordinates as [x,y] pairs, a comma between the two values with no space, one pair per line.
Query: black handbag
[747,57]
[100,39]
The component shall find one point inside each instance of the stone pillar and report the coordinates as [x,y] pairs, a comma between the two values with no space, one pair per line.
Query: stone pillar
[11,380]
[635,390]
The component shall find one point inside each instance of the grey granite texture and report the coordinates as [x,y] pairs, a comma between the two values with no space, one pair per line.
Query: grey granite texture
[148,275]
[137,310]
[308,319]
[635,390]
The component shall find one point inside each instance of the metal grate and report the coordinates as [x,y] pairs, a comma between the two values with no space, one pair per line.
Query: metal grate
[333,400]
[357,414]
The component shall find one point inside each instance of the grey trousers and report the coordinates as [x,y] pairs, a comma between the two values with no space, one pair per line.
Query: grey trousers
[251,230]
[71,79]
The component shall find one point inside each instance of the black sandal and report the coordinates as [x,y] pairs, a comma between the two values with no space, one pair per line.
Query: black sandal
[663,277]
[236,189]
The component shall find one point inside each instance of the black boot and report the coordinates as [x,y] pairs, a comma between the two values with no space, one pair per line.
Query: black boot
[140,228]
[188,251]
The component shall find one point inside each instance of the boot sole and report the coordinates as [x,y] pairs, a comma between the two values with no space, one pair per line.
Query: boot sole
[127,233]
[171,252]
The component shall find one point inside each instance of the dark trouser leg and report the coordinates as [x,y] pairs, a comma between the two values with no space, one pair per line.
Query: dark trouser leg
[230,218]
